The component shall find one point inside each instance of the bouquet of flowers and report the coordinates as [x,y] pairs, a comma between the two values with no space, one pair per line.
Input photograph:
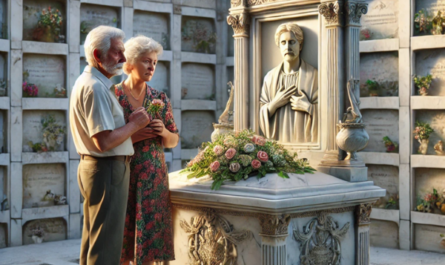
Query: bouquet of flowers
[50,22]
[423,83]
[29,90]
[426,204]
[237,156]
[390,145]
[154,108]
[422,131]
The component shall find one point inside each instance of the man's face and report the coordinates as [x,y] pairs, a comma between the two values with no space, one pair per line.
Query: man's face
[115,59]
[289,46]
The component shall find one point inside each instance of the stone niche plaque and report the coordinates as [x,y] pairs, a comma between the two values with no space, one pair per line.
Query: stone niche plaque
[432,62]
[196,128]
[198,81]
[3,19]
[198,35]
[3,131]
[153,25]
[382,68]
[32,11]
[32,126]
[384,234]
[427,179]
[115,79]
[40,178]
[386,177]
[3,74]
[381,21]
[436,119]
[54,229]
[427,237]
[92,16]
[48,72]
[380,123]
[160,80]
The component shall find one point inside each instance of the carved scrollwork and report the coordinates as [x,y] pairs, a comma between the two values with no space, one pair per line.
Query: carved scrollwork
[320,240]
[332,12]
[274,225]
[354,12]
[364,213]
[239,23]
[212,239]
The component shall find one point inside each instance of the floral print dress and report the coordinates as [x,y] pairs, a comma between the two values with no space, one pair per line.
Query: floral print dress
[148,234]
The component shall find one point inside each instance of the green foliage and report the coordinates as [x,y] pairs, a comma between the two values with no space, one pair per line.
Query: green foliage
[422,130]
[247,147]
[422,22]
[423,81]
[51,18]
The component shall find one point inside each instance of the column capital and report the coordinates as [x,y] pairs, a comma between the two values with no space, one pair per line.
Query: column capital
[274,225]
[240,24]
[332,12]
[363,213]
[354,11]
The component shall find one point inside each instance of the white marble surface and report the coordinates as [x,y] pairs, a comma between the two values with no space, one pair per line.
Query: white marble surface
[194,104]
[428,102]
[379,103]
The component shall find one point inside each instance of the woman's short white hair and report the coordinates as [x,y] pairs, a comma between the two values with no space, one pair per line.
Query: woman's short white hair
[137,46]
[100,39]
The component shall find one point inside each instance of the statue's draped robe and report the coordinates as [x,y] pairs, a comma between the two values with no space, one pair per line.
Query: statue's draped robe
[288,125]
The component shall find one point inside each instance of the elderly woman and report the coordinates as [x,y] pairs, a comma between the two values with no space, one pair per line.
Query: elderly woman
[148,235]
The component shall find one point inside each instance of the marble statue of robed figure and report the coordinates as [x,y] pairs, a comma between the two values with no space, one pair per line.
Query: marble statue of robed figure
[289,96]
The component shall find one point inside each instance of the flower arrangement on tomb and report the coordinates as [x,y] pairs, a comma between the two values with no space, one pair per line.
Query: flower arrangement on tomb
[437,24]
[53,133]
[238,155]
[391,146]
[202,40]
[432,202]
[422,134]
[49,26]
[393,202]
[422,22]
[3,86]
[365,34]
[58,92]
[29,90]
[423,83]
[373,88]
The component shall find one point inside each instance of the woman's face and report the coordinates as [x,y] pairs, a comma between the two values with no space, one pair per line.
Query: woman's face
[144,66]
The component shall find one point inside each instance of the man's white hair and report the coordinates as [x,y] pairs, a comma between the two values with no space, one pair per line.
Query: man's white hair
[137,46]
[100,39]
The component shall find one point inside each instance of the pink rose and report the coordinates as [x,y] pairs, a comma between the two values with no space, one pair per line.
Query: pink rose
[234,167]
[262,156]
[230,153]
[256,164]
[219,150]
[214,166]
[259,140]
[157,102]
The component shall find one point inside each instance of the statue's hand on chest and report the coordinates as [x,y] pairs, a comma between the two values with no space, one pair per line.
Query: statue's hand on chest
[282,97]
[301,103]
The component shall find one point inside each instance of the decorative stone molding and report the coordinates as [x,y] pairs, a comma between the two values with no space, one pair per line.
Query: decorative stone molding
[320,240]
[236,3]
[212,239]
[332,12]
[274,225]
[239,23]
[177,10]
[354,12]
[364,213]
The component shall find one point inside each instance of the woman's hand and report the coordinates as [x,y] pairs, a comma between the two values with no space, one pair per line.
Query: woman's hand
[143,134]
[169,139]
[158,127]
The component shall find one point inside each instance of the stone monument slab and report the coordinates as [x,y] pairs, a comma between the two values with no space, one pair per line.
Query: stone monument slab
[54,229]
[382,68]
[48,72]
[40,178]
[198,34]
[161,78]
[381,21]
[436,119]
[380,123]
[153,25]
[384,234]
[198,81]
[386,177]
[432,62]
[427,237]
[196,128]
[92,16]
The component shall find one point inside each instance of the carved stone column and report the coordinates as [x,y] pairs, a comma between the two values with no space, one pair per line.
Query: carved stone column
[274,231]
[332,12]
[240,24]
[363,220]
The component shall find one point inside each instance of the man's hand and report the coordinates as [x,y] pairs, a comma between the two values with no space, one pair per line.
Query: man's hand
[282,97]
[143,134]
[139,117]
[301,103]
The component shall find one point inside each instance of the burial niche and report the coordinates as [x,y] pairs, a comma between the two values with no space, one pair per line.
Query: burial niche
[3,235]
[92,16]
[429,17]
[436,120]
[386,177]
[431,62]
[44,230]
[198,35]
[3,74]
[4,202]
[380,124]
[381,21]
[153,25]
[379,74]
[196,128]
[3,131]
[427,237]
[429,190]
[198,81]
[384,234]
[3,19]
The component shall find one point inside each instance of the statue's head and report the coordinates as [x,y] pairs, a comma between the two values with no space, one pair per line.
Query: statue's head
[289,37]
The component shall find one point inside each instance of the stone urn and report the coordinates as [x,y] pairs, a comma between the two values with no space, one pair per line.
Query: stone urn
[423,148]
[220,128]
[352,138]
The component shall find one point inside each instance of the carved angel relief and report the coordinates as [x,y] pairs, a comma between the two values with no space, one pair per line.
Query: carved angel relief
[212,239]
[320,241]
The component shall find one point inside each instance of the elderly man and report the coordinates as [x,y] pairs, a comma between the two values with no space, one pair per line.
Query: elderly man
[103,142]
[289,96]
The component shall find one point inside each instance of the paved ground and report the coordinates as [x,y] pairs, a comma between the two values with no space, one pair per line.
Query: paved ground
[67,253]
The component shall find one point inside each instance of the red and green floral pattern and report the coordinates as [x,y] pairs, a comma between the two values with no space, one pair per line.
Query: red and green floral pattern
[148,234]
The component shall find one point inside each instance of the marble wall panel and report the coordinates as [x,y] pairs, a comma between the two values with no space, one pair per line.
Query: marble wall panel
[55,229]
[48,72]
[3,19]
[195,3]
[384,234]
[32,127]
[427,179]
[427,237]
[381,21]
[32,11]
[196,128]
[40,178]
[153,25]
[4,205]
[382,68]
[436,119]
[161,78]
[380,123]
[3,131]
[198,81]
[92,16]
[3,235]
[386,177]
[198,35]
[432,62]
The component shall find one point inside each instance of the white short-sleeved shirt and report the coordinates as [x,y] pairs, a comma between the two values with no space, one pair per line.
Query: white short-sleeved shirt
[93,109]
